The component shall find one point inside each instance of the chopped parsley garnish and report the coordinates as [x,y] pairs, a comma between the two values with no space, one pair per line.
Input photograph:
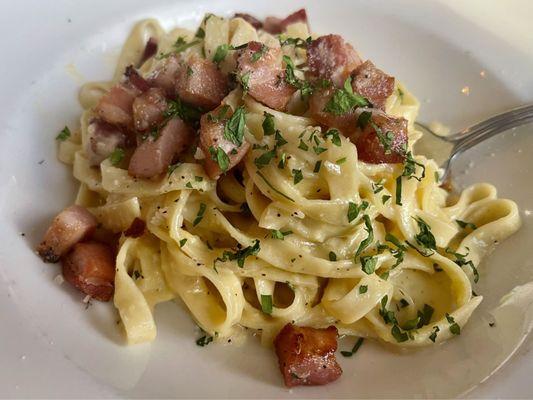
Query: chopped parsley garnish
[244,80]
[344,100]
[318,164]
[296,42]
[189,71]
[354,348]
[399,190]
[220,53]
[176,108]
[425,238]
[204,340]
[200,215]
[354,209]
[198,178]
[319,149]
[332,256]
[268,124]
[409,171]
[397,253]
[266,303]
[377,187]
[297,176]
[200,33]
[385,198]
[182,242]
[387,315]
[465,225]
[433,335]
[117,156]
[368,264]
[280,140]
[259,53]
[234,127]
[283,161]
[363,119]
[265,158]
[411,324]
[425,315]
[305,87]
[369,239]
[240,255]
[340,161]
[385,139]
[181,45]
[277,234]
[303,146]
[335,138]
[64,134]
[188,185]
[398,334]
[363,289]
[454,326]
[220,157]
[460,259]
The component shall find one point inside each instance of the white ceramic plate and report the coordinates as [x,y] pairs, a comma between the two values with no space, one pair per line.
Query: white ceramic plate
[51,346]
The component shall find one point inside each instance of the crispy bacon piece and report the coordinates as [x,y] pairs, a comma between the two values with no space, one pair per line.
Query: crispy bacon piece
[250,19]
[318,100]
[149,50]
[134,78]
[164,76]
[212,136]
[90,268]
[103,139]
[306,355]
[115,107]
[200,83]
[372,83]
[370,148]
[276,25]
[153,156]
[330,57]
[148,109]
[266,78]
[69,227]
[136,229]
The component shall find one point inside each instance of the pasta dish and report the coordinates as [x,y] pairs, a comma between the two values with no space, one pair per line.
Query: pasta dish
[265,176]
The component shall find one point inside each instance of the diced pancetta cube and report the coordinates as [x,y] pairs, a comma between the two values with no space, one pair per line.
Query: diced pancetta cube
[306,355]
[265,77]
[372,83]
[212,137]
[164,76]
[90,268]
[115,107]
[148,109]
[103,139]
[153,156]
[330,57]
[276,25]
[393,131]
[69,227]
[200,83]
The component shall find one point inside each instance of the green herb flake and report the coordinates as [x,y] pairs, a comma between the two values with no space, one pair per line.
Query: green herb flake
[303,146]
[318,164]
[259,53]
[280,140]
[240,255]
[465,225]
[277,234]
[356,346]
[172,167]
[369,239]
[273,187]
[234,127]
[220,53]
[264,159]
[425,238]
[181,44]
[344,100]
[354,209]
[220,157]
[425,315]
[188,185]
[433,335]
[297,176]
[368,264]
[332,256]
[200,215]
[182,242]
[200,33]
[455,329]
[268,124]
[340,161]
[385,198]
[398,334]
[283,161]
[364,119]
[117,156]
[64,134]
[204,340]
[334,134]
[363,289]
[244,80]
[266,303]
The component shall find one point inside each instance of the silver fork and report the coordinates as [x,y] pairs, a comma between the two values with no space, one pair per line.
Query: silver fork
[445,149]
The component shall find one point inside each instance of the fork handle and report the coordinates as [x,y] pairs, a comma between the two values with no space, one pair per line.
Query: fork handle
[478,133]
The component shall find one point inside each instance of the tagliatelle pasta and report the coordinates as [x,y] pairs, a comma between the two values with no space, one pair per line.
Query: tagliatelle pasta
[311,234]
